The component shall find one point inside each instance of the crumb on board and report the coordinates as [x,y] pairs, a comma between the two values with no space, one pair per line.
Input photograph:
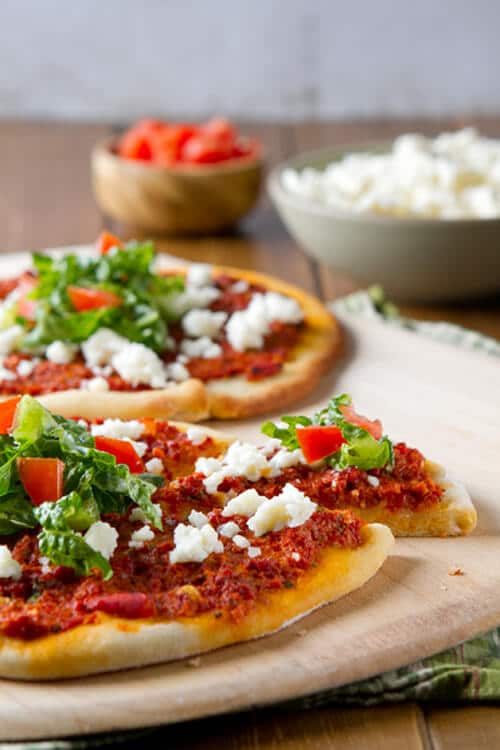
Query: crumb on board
[302,631]
[195,662]
[456,572]
[443,587]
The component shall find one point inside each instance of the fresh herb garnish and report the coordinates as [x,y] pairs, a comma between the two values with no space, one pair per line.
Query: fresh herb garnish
[145,298]
[360,448]
[93,484]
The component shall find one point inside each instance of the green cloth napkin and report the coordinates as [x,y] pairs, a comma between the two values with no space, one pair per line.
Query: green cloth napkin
[467,672]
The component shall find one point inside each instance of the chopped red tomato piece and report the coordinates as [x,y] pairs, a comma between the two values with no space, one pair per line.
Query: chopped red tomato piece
[167,144]
[106,241]
[26,307]
[373,426]
[91,299]
[123,451]
[7,412]
[42,478]
[318,441]
[122,604]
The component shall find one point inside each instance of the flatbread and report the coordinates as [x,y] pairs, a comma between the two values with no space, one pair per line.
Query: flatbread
[117,643]
[225,398]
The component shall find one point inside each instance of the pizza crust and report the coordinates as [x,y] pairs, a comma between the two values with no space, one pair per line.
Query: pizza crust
[116,643]
[455,515]
[187,400]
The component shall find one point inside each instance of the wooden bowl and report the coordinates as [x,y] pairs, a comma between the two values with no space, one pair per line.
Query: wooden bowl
[190,199]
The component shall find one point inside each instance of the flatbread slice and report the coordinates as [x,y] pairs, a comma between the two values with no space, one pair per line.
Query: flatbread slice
[113,643]
[223,381]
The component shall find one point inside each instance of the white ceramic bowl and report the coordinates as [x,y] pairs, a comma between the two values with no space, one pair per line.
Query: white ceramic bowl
[419,260]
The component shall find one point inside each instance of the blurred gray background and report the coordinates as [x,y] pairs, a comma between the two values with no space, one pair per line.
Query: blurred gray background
[282,59]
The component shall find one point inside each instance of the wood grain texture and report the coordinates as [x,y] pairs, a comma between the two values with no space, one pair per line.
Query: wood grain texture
[464,728]
[45,195]
[380,728]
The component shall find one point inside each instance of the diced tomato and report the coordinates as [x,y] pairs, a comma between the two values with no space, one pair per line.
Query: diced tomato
[204,150]
[220,130]
[26,308]
[42,478]
[135,146]
[106,241]
[373,426]
[167,144]
[91,299]
[122,604]
[318,441]
[123,451]
[7,412]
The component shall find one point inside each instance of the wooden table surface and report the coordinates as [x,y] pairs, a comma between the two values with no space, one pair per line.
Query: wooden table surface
[46,200]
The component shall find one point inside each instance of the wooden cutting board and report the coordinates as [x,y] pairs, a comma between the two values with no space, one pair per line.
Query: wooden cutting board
[441,399]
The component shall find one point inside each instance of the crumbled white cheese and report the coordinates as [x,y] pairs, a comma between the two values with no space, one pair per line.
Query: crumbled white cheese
[247,328]
[203,347]
[137,538]
[295,556]
[95,385]
[9,568]
[453,176]
[240,460]
[244,504]
[105,371]
[196,435]
[270,446]
[229,529]
[198,323]
[139,447]
[192,297]
[198,519]
[194,545]
[103,538]
[290,508]
[139,365]
[199,274]
[119,429]
[254,551]
[60,352]
[177,372]
[45,565]
[240,287]
[26,367]
[241,541]
[285,459]
[245,460]
[99,348]
[374,481]
[154,466]
[10,338]
[137,514]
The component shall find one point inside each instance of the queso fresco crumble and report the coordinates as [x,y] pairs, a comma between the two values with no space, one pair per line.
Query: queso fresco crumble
[453,176]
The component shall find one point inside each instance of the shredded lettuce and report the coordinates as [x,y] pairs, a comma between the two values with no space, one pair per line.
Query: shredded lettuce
[360,449]
[93,484]
[142,316]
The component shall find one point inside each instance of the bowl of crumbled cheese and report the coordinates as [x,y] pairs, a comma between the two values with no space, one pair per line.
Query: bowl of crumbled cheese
[421,216]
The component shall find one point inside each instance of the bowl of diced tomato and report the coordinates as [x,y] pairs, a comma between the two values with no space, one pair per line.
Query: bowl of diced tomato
[178,178]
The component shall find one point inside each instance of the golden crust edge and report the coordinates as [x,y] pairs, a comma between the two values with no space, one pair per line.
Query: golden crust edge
[454,516]
[117,643]
[187,400]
